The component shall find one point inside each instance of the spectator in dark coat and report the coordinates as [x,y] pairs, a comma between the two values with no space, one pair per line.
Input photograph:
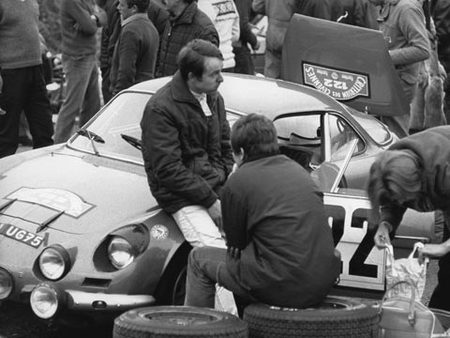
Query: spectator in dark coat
[440,10]
[158,15]
[280,248]
[322,9]
[186,23]
[185,144]
[242,56]
[22,86]
[136,50]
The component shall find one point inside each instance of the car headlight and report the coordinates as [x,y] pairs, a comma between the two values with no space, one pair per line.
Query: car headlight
[44,301]
[54,262]
[6,284]
[120,252]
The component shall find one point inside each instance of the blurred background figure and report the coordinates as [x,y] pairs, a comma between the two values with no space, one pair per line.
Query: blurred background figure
[135,53]
[402,23]
[80,20]
[22,86]
[440,10]
[186,23]
[358,13]
[225,17]
[242,56]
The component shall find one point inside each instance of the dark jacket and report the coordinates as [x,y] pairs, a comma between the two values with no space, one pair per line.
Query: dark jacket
[432,148]
[441,16]
[158,16]
[244,8]
[187,155]
[191,24]
[273,212]
[135,53]
[322,9]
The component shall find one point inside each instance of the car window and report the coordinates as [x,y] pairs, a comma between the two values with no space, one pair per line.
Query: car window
[376,130]
[341,135]
[121,116]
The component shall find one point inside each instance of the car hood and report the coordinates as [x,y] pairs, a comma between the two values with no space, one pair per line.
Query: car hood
[83,193]
[350,63]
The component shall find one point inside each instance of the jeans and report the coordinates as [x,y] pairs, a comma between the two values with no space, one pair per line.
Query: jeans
[206,267]
[198,227]
[24,90]
[82,94]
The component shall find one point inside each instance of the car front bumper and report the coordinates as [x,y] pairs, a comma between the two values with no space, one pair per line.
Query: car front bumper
[46,296]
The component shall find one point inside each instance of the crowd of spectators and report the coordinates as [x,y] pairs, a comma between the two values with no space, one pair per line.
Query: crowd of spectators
[140,40]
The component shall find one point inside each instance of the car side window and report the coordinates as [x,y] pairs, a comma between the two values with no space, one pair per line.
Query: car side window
[300,138]
[341,135]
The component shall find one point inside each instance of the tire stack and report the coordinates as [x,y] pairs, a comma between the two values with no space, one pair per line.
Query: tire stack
[335,317]
[178,321]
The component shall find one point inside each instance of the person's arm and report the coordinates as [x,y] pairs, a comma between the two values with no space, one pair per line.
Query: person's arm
[246,35]
[163,156]
[435,250]
[412,26]
[234,216]
[86,22]
[390,218]
[235,29]
[128,48]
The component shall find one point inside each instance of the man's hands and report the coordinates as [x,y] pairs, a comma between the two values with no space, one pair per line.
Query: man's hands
[234,253]
[381,238]
[215,211]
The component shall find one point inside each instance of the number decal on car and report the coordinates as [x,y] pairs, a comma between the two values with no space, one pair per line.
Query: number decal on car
[363,265]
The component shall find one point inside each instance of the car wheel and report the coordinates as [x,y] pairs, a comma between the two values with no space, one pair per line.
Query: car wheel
[178,321]
[335,317]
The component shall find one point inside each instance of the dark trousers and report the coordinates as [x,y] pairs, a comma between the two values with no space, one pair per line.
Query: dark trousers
[206,267]
[244,61]
[440,298]
[24,90]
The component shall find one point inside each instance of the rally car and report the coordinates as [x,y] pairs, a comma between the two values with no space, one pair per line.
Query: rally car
[81,232]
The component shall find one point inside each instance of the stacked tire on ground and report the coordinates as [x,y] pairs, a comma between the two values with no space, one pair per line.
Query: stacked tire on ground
[335,317]
[178,321]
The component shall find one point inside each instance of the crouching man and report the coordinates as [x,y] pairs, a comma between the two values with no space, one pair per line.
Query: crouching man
[279,245]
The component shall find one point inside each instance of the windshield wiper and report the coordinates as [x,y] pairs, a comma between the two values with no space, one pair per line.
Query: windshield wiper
[133,141]
[93,137]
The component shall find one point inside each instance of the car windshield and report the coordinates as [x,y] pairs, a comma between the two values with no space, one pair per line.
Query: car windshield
[376,130]
[120,117]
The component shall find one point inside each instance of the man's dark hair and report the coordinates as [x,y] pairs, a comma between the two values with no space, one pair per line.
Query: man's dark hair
[141,5]
[256,135]
[191,58]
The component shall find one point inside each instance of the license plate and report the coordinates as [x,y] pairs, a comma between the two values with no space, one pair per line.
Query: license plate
[20,235]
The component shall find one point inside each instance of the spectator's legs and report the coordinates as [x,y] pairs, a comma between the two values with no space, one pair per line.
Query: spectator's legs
[78,73]
[198,227]
[272,66]
[440,298]
[417,108]
[37,110]
[243,59]
[92,97]
[206,267]
[11,101]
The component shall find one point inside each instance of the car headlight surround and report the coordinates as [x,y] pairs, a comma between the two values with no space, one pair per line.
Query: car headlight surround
[54,262]
[44,301]
[120,252]
[6,284]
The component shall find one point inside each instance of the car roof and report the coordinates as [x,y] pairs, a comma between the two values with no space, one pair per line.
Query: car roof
[253,94]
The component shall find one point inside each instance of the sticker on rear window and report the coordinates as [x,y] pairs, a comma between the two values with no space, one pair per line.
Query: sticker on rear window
[338,84]
[58,199]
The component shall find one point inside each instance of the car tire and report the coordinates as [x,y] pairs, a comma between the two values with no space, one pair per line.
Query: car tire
[178,321]
[335,317]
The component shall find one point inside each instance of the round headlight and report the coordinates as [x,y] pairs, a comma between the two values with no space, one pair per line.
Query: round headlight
[120,252]
[6,284]
[44,301]
[54,262]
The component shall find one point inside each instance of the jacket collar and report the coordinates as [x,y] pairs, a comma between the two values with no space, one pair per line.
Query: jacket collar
[135,17]
[187,16]
[181,92]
